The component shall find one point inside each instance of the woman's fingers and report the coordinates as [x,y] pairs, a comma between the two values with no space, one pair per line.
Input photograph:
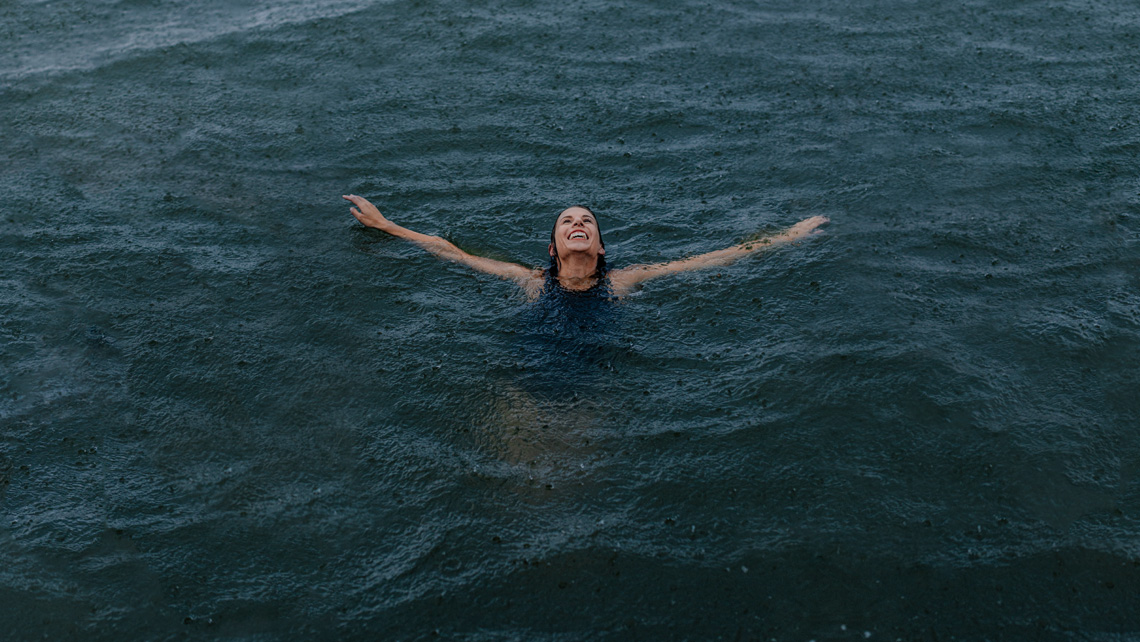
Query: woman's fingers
[360,202]
[813,222]
[366,208]
[816,222]
[365,212]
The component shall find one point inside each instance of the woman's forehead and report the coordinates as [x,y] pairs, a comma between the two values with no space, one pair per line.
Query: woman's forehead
[581,211]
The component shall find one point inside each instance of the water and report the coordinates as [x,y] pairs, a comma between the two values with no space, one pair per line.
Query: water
[227,411]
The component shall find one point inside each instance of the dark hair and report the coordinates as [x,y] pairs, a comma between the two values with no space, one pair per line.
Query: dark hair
[599,268]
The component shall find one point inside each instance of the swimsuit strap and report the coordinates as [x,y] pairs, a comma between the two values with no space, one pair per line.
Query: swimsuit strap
[602,285]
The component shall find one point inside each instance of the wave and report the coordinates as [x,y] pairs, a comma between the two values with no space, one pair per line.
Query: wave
[79,39]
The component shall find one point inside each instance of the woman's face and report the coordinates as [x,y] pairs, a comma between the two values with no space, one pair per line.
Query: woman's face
[576,230]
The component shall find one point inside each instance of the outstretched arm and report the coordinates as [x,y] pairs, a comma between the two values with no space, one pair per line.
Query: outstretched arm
[371,217]
[626,278]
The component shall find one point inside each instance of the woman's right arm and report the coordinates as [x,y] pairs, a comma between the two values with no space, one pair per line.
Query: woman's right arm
[624,279]
[370,216]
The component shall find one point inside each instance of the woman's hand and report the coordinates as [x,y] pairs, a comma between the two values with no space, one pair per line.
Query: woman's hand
[367,214]
[805,227]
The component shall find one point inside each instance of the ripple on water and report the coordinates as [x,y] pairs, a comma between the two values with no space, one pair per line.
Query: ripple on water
[229,411]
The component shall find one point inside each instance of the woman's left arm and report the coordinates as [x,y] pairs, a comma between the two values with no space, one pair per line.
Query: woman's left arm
[625,278]
[530,279]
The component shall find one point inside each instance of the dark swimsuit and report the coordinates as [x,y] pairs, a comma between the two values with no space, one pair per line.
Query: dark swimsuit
[569,336]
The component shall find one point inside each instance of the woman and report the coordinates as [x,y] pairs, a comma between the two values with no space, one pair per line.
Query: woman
[577,254]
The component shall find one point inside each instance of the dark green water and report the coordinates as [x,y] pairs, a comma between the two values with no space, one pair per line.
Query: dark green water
[227,411]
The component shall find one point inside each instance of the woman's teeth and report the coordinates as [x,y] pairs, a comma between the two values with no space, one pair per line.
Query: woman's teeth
[578,235]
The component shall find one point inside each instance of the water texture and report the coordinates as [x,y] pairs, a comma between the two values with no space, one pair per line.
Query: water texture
[227,411]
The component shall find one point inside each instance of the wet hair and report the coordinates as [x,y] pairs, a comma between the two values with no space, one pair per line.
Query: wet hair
[555,264]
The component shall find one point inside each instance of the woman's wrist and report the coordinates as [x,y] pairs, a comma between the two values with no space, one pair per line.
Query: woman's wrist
[385,225]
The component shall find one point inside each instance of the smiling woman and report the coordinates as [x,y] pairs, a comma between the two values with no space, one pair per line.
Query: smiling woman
[577,253]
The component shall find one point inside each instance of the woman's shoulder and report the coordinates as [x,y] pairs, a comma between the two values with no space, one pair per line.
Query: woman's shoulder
[623,279]
[535,283]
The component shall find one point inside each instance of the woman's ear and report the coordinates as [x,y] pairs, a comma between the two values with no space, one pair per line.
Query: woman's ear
[550,248]
[602,250]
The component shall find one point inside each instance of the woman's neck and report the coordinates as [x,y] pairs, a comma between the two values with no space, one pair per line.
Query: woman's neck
[576,271]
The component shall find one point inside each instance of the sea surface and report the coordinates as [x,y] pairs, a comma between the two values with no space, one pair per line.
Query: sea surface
[230,412]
